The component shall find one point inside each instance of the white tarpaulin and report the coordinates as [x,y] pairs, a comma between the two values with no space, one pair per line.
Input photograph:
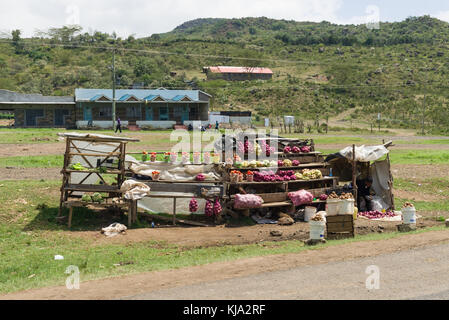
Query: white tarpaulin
[173,171]
[135,190]
[380,172]
[365,153]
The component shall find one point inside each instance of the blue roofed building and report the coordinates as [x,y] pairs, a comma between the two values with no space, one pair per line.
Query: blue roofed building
[161,108]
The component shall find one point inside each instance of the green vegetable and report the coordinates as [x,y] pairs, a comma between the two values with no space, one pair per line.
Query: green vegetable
[86,198]
[77,166]
[96,197]
[103,169]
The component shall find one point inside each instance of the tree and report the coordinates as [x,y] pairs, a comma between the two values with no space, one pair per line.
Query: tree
[17,41]
[64,34]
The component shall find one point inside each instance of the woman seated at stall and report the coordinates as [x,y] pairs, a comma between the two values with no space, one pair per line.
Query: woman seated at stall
[365,193]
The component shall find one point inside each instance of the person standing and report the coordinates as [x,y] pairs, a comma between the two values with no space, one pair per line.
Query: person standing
[217,126]
[119,126]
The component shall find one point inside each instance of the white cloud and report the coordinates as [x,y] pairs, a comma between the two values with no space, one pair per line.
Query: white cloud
[145,17]
[443,15]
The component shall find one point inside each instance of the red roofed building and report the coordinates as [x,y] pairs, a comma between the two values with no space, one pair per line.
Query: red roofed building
[238,73]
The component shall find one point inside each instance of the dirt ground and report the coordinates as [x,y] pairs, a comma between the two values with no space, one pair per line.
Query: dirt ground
[125,286]
[195,237]
[420,171]
[30,174]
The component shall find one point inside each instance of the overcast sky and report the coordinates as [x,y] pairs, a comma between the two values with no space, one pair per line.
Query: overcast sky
[145,17]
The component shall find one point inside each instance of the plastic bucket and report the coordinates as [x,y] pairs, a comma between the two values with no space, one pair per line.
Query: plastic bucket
[317,229]
[408,215]
[332,207]
[309,212]
[347,206]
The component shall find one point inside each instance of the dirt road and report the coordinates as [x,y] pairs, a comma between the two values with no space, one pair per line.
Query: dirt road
[410,274]
[324,273]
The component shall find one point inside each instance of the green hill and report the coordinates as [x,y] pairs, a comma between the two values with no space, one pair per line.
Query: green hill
[320,69]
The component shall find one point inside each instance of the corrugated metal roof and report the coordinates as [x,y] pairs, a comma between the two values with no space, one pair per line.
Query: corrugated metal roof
[141,94]
[224,69]
[7,96]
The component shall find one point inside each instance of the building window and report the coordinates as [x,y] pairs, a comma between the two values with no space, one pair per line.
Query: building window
[60,115]
[133,112]
[163,113]
[105,112]
[31,116]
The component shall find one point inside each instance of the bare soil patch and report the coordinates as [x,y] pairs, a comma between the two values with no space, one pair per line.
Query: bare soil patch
[193,237]
[32,149]
[417,196]
[419,172]
[125,286]
[30,173]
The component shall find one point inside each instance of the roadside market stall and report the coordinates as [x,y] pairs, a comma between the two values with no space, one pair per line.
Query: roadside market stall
[93,172]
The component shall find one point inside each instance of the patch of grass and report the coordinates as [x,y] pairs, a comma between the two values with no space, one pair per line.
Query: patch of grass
[51,161]
[442,205]
[419,156]
[424,141]
[439,186]
[30,260]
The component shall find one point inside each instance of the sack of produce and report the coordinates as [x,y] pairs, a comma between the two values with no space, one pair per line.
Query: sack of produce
[300,197]
[247,201]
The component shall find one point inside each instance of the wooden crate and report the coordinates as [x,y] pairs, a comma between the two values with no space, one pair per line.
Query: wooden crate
[340,227]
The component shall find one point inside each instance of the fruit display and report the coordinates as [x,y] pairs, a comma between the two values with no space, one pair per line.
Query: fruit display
[323,197]
[206,158]
[144,156]
[296,149]
[86,198]
[200,177]
[155,175]
[376,214]
[217,207]
[333,195]
[309,174]
[300,197]
[317,217]
[249,176]
[97,197]
[193,205]
[166,156]
[295,163]
[408,205]
[287,163]
[236,176]
[346,196]
[247,201]
[196,158]
[209,209]
[305,149]
[185,157]
[153,156]
[255,164]
[268,149]
[78,166]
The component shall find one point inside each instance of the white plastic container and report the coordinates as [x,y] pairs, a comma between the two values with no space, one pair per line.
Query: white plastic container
[408,215]
[317,229]
[309,212]
[346,206]
[332,206]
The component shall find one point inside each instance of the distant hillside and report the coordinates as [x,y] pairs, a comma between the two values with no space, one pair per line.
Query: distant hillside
[320,69]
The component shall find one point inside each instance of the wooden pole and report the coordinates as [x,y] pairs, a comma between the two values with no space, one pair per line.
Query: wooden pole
[390,180]
[174,211]
[354,174]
